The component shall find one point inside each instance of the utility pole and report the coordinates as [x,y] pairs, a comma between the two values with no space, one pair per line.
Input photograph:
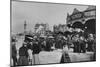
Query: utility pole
[25,25]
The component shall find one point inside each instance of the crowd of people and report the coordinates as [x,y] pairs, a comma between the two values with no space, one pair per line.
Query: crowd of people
[31,47]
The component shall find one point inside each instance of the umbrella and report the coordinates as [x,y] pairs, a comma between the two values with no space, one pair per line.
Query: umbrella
[28,38]
[67,33]
[60,33]
[69,25]
[50,37]
[35,36]
[78,25]
[43,36]
[28,35]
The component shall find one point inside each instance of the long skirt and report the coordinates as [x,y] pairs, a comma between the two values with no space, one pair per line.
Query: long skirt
[23,61]
[35,59]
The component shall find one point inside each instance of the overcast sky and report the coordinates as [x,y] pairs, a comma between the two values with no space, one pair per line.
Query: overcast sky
[34,13]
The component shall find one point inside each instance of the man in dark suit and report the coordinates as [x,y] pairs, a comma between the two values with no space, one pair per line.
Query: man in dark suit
[23,55]
[36,49]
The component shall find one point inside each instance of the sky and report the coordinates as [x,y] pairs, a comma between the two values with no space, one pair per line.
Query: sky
[35,12]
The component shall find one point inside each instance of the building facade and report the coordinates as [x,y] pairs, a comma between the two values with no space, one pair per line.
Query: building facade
[41,28]
[60,28]
[82,16]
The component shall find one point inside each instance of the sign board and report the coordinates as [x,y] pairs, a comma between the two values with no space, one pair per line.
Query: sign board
[77,16]
[90,13]
[50,57]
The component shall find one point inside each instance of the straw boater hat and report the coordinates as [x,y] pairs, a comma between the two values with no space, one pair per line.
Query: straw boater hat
[24,43]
